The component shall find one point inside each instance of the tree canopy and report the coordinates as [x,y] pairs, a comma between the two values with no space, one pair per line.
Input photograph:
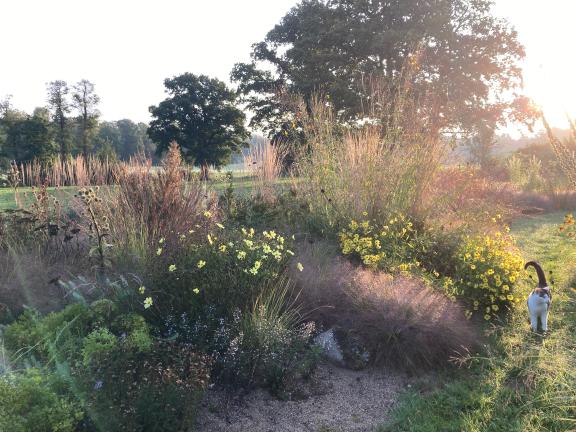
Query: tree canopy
[29,137]
[466,57]
[201,116]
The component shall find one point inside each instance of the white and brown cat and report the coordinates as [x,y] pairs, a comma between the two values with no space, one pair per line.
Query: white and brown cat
[539,299]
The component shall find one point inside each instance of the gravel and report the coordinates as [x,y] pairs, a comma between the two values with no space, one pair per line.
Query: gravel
[340,400]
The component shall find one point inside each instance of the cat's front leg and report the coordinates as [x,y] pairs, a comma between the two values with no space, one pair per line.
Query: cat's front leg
[544,320]
[534,321]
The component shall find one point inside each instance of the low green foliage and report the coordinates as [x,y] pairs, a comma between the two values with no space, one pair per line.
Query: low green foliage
[39,401]
[116,372]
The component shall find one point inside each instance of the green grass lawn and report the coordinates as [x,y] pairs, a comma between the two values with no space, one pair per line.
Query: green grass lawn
[522,382]
[242,185]
[8,200]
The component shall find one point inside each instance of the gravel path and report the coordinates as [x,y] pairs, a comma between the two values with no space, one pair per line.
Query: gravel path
[343,401]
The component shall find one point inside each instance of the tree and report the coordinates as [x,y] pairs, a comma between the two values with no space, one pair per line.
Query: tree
[85,100]
[31,138]
[130,139]
[59,108]
[201,116]
[461,54]
[481,144]
[149,146]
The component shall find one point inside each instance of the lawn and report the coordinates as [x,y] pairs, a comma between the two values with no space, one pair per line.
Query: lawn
[522,382]
[242,185]
[25,197]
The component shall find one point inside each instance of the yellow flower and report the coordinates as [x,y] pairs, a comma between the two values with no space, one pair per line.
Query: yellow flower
[241,255]
[159,251]
[256,267]
[148,302]
[162,240]
[142,289]
[207,214]
[196,291]
[219,225]
[473,267]
[210,239]
[495,308]
[172,268]
[300,267]
[487,317]
[222,248]
[201,264]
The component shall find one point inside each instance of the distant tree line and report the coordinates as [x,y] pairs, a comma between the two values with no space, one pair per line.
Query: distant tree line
[68,125]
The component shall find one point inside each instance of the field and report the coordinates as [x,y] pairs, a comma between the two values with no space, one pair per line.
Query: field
[242,184]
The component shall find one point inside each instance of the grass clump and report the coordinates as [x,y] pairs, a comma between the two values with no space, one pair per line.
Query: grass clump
[398,320]
[146,205]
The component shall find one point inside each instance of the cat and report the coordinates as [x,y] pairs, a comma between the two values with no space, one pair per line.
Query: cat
[539,299]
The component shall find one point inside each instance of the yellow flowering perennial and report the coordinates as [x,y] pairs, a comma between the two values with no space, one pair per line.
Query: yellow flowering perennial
[394,247]
[488,267]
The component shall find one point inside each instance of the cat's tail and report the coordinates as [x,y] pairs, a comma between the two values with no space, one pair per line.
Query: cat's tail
[541,276]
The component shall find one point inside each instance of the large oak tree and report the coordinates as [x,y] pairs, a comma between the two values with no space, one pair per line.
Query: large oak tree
[467,58]
[200,114]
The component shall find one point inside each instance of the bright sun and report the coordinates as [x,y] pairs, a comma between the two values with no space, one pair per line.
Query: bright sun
[547,31]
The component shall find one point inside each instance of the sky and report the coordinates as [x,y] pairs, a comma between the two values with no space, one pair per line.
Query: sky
[128,47]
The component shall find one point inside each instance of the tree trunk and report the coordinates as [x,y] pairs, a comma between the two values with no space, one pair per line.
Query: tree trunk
[204,172]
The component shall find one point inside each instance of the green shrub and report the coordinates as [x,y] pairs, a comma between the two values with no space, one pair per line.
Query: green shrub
[526,174]
[42,338]
[479,271]
[98,344]
[123,377]
[394,246]
[37,401]
[131,390]
[226,270]
[272,347]
[486,274]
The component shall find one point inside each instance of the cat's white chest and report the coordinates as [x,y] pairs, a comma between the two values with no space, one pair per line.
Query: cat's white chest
[537,304]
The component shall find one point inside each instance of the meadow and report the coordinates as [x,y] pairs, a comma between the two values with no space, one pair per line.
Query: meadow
[151,301]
